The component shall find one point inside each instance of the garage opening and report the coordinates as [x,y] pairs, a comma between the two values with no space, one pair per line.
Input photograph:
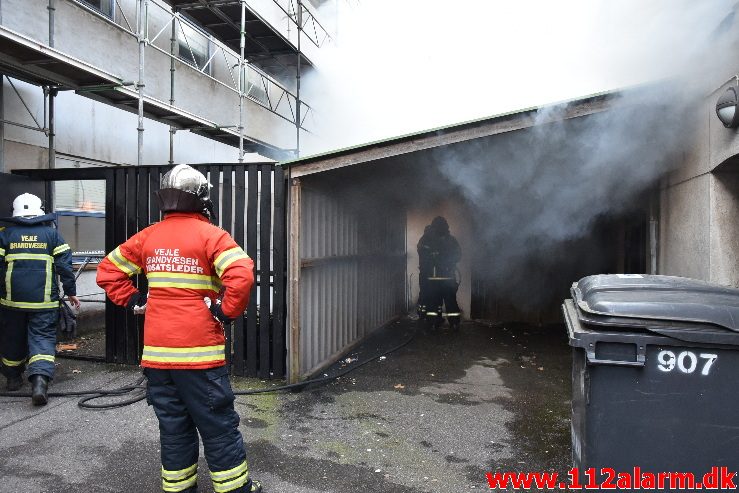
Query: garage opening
[522,208]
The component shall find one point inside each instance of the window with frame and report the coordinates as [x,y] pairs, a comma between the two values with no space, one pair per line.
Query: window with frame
[105,7]
[193,46]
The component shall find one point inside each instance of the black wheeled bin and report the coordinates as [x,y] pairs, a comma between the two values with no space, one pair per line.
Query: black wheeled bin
[655,374]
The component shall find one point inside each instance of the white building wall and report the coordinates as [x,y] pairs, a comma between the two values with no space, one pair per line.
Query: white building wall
[97,131]
[100,132]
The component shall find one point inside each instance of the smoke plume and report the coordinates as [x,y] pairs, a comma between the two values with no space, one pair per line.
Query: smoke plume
[401,67]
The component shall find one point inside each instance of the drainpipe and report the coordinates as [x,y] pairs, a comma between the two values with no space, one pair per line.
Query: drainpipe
[143,6]
[172,68]
[51,9]
[653,232]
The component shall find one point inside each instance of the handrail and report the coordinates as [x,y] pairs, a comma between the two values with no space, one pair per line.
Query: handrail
[307,17]
[284,108]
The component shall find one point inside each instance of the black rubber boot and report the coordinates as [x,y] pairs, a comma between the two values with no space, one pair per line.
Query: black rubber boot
[14,383]
[256,486]
[39,388]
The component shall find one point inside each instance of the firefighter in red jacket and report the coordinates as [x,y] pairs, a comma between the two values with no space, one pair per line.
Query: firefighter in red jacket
[199,279]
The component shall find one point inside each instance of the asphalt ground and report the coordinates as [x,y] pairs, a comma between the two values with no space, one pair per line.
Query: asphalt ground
[435,415]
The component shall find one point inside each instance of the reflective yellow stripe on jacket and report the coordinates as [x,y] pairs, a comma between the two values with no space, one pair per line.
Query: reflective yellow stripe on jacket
[126,266]
[8,281]
[30,304]
[2,252]
[185,281]
[61,248]
[227,258]
[41,257]
[184,354]
[29,256]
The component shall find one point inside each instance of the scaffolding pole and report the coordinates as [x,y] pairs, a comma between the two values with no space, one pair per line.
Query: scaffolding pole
[52,147]
[52,9]
[172,68]
[242,81]
[142,8]
[297,81]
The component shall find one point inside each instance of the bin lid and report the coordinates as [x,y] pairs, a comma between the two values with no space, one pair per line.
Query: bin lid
[657,298]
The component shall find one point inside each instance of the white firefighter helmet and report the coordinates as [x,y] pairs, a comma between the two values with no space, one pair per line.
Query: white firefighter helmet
[188,179]
[185,189]
[27,205]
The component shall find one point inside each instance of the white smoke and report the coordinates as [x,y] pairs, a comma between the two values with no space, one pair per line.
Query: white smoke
[406,66]
[403,66]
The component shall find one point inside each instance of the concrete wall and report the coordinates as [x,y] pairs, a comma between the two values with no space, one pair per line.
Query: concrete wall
[724,254]
[18,155]
[685,229]
[699,224]
[460,228]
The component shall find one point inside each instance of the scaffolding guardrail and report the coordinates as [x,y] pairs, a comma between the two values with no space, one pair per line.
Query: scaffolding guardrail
[249,83]
[148,25]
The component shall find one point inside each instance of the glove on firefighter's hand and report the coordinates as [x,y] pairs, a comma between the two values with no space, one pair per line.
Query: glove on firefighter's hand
[217,311]
[137,303]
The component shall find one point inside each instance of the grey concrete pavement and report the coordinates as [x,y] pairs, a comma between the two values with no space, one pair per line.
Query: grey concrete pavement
[433,416]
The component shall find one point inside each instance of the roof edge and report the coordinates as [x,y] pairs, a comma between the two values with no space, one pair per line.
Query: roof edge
[521,113]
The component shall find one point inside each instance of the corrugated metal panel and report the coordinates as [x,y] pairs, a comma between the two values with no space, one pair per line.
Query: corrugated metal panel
[352,277]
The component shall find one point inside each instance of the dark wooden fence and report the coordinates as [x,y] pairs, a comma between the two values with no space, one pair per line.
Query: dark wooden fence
[250,205]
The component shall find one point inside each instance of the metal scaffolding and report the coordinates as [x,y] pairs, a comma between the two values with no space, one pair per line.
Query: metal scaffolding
[45,126]
[258,43]
[223,20]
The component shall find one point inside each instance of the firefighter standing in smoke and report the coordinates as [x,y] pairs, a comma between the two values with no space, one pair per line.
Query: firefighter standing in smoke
[438,254]
[32,254]
[187,262]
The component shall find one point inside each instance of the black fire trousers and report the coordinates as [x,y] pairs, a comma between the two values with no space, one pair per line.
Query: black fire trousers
[188,402]
[442,294]
[27,339]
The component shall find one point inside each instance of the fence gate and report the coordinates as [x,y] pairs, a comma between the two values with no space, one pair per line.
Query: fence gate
[250,204]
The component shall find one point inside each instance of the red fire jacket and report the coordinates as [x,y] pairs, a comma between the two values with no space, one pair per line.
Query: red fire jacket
[185,258]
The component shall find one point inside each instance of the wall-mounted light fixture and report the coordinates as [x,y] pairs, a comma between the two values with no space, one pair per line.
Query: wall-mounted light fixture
[727,107]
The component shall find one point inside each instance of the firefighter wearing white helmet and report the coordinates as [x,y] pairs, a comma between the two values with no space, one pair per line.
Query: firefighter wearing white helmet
[27,205]
[32,255]
[199,279]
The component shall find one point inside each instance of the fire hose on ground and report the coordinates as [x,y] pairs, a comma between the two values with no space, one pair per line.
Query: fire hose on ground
[138,389]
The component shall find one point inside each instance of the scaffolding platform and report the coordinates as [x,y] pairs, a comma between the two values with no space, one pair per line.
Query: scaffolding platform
[222,19]
[28,60]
